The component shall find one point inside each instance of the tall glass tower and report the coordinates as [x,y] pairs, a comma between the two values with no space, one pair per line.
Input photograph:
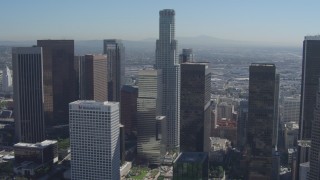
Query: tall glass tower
[261,120]
[315,142]
[28,94]
[309,87]
[167,61]
[149,100]
[115,52]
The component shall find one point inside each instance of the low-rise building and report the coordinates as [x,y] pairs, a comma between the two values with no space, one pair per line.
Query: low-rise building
[32,159]
[218,148]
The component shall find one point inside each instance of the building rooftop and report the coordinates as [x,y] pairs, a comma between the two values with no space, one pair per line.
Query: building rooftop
[263,64]
[305,164]
[291,150]
[304,143]
[92,102]
[191,157]
[316,37]
[130,89]
[42,144]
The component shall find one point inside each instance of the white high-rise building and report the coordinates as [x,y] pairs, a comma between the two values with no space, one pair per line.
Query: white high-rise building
[94,140]
[291,109]
[167,60]
[6,80]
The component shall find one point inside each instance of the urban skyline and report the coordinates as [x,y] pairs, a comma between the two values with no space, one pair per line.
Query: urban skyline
[236,20]
[219,99]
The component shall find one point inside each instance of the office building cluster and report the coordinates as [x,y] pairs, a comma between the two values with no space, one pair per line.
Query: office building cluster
[168,119]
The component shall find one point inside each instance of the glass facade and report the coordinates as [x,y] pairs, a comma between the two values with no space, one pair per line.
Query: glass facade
[167,61]
[262,112]
[28,94]
[148,103]
[191,166]
[60,83]
[115,52]
[195,108]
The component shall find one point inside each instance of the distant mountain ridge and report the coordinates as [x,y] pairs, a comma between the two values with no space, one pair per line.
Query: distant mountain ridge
[202,41]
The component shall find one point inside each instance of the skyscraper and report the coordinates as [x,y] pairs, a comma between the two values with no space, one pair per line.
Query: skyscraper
[242,124]
[94,140]
[115,52]
[129,95]
[167,61]
[261,118]
[148,108]
[59,80]
[186,56]
[28,94]
[314,173]
[309,87]
[93,78]
[6,80]
[195,123]
[291,107]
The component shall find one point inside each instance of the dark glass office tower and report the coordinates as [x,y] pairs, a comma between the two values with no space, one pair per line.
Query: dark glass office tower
[28,94]
[128,108]
[261,118]
[59,80]
[309,87]
[242,124]
[186,56]
[195,109]
[314,173]
[115,52]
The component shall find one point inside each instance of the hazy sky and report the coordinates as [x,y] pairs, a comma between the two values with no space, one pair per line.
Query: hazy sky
[283,21]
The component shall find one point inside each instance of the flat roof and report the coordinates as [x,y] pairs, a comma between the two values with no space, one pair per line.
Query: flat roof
[42,144]
[192,157]
[262,64]
[316,37]
[92,102]
[304,143]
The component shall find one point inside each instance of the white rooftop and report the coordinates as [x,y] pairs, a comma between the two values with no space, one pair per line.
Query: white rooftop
[42,144]
[92,102]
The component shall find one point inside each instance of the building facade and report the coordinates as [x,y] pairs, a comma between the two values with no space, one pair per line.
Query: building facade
[191,165]
[291,109]
[148,108]
[60,85]
[314,173]
[261,119]
[186,56]
[28,94]
[40,153]
[129,95]
[115,51]
[94,140]
[195,107]
[242,124]
[93,78]
[7,80]
[167,61]
[309,88]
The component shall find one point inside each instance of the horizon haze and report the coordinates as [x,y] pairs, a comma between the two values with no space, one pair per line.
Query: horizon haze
[276,22]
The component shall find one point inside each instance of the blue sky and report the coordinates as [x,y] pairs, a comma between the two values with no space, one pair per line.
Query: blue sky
[282,21]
